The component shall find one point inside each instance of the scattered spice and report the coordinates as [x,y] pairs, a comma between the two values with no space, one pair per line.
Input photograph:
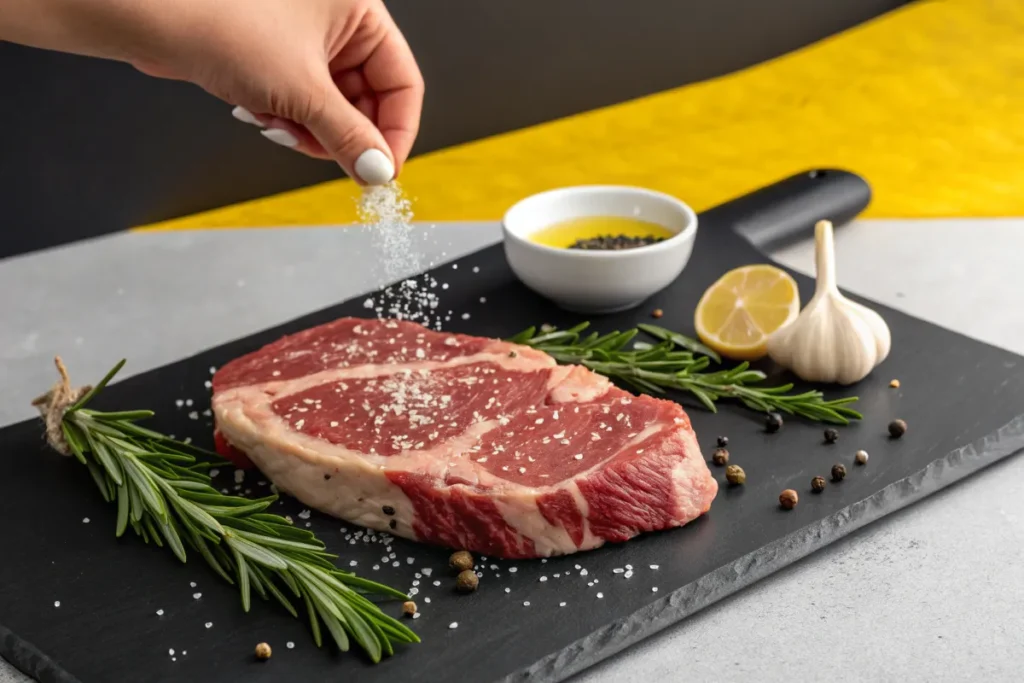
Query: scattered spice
[720,457]
[388,510]
[657,313]
[897,428]
[788,499]
[735,475]
[461,561]
[408,608]
[772,423]
[615,242]
[831,435]
[512,354]
[838,472]
[263,651]
[861,457]
[818,484]
[895,384]
[393,524]
[467,581]
[326,476]
[723,442]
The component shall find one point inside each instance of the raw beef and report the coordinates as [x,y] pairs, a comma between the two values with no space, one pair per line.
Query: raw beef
[461,441]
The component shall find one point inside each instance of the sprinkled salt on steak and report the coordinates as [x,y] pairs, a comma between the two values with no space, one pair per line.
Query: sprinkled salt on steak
[461,441]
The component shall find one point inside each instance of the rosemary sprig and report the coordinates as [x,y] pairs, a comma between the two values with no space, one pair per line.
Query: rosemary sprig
[165,495]
[678,362]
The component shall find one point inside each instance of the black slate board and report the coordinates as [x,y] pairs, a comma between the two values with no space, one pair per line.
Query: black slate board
[961,398]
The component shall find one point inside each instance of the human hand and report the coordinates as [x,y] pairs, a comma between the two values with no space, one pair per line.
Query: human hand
[334,79]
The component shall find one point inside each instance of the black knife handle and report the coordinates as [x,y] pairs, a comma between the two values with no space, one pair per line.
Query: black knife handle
[785,212]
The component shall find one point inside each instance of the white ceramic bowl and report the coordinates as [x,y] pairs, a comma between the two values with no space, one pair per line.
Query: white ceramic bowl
[586,281]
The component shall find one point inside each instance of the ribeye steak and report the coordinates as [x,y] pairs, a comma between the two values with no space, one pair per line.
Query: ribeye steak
[461,441]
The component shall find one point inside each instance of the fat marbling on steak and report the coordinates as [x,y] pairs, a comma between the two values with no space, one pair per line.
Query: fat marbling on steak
[460,441]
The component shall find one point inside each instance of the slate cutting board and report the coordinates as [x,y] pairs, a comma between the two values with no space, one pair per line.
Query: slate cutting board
[961,398]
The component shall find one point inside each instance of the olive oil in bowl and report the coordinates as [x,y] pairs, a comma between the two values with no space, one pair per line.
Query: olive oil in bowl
[601,233]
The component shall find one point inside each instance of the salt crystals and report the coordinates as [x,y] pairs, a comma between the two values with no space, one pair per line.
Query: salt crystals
[512,570]
[179,403]
[561,604]
[56,603]
[526,603]
[600,595]
[196,596]
[85,520]
[192,584]
[214,472]
[290,645]
[304,514]
[239,476]
[209,624]
[654,589]
[543,579]
[159,612]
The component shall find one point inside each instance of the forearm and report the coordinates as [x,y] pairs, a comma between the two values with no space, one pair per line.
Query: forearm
[124,30]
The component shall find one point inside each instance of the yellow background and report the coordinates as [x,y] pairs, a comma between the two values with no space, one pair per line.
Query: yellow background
[927,103]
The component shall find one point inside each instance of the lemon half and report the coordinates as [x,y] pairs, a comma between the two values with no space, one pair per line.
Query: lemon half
[738,313]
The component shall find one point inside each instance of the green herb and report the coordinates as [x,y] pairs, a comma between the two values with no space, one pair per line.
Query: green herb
[164,494]
[679,363]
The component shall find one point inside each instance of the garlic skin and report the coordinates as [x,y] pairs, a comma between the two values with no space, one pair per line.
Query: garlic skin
[833,340]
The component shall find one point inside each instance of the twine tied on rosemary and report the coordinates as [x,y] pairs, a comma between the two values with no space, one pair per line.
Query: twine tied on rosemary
[55,403]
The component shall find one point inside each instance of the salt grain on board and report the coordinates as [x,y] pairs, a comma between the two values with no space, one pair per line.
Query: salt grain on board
[290,645]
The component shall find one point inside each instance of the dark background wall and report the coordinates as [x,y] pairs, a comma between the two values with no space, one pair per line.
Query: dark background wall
[89,147]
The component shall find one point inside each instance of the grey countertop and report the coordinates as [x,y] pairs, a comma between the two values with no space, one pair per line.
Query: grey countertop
[933,593]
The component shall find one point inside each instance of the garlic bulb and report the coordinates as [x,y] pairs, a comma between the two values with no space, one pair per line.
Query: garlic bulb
[833,339]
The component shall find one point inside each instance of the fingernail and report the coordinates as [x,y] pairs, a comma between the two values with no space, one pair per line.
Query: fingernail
[374,168]
[246,116]
[281,137]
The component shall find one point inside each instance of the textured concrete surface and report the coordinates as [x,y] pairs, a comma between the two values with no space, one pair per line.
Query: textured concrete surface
[933,593]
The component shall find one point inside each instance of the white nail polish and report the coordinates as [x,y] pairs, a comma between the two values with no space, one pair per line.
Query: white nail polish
[246,116]
[374,168]
[280,136]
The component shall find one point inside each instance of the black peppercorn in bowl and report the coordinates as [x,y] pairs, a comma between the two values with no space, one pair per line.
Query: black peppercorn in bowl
[600,273]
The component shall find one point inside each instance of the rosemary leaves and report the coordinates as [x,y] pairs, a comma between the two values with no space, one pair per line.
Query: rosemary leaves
[679,363]
[164,494]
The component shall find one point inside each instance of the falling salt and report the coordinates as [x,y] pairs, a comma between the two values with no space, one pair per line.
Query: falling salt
[159,612]
[214,472]
[417,614]
[618,570]
[290,645]
[583,572]
[239,476]
[454,624]
[508,590]
[654,589]
[85,520]
[209,624]
[56,603]
[543,579]
[561,604]
[600,595]
[196,596]
[437,583]
[483,299]
[352,563]
[192,584]
[426,600]
[304,514]
[526,603]
[179,403]
[476,269]
[427,571]
[171,652]
[512,570]
[654,566]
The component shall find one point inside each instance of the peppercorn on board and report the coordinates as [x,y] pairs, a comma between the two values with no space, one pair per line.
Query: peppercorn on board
[128,611]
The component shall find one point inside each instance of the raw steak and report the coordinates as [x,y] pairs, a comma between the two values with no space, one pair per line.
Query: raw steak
[466,442]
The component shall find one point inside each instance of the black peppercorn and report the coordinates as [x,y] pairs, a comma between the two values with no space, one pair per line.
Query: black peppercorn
[467,581]
[393,524]
[326,477]
[388,510]
[461,561]
[723,442]
[831,435]
[735,475]
[838,472]
[720,457]
[788,499]
[818,484]
[897,428]
[772,423]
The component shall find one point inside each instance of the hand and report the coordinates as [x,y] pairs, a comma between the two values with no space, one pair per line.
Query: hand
[334,79]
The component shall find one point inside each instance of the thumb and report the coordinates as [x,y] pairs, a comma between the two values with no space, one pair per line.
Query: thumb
[351,139]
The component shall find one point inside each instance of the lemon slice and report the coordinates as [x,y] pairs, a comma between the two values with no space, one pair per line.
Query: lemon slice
[740,311]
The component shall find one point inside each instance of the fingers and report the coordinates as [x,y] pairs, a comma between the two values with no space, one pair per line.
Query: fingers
[283,132]
[391,72]
[350,138]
